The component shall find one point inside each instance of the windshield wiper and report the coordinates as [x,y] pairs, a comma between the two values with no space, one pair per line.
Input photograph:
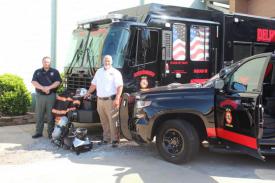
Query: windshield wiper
[77,56]
[92,69]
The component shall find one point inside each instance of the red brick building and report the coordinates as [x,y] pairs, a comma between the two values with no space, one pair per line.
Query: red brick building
[253,7]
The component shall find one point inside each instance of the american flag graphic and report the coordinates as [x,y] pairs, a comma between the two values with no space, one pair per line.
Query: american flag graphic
[199,43]
[179,42]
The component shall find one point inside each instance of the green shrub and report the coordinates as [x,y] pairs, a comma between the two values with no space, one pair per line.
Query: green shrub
[61,87]
[14,96]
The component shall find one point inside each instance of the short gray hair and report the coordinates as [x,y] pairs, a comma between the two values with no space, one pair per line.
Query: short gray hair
[108,56]
[46,57]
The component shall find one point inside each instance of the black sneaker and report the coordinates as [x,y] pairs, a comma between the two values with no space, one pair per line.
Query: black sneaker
[114,143]
[37,135]
[102,142]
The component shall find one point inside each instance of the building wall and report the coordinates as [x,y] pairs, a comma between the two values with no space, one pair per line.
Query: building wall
[239,6]
[253,7]
[262,7]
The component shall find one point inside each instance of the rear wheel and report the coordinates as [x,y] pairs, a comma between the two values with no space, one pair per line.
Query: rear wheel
[177,141]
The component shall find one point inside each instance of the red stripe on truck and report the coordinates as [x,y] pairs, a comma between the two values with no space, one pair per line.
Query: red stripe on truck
[241,139]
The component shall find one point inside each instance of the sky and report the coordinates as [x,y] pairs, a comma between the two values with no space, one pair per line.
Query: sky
[25,34]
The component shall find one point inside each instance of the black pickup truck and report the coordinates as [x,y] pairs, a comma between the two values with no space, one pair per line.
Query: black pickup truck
[234,111]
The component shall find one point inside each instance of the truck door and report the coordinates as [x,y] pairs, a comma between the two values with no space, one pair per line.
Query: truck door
[190,52]
[203,51]
[144,56]
[125,115]
[239,110]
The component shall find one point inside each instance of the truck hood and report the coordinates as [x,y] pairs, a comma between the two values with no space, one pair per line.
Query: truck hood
[175,97]
[172,86]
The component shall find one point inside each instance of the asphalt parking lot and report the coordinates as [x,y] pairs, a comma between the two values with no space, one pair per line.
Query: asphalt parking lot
[23,159]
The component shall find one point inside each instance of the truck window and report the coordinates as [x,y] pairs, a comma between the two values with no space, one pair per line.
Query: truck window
[260,49]
[242,50]
[247,77]
[179,41]
[139,54]
[133,50]
[199,43]
[150,54]
[115,45]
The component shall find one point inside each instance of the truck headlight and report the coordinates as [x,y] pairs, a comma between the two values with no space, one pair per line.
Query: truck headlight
[142,103]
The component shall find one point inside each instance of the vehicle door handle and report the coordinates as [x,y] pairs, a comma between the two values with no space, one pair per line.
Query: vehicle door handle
[247,105]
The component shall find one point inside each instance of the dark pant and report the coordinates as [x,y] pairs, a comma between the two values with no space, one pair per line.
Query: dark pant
[44,105]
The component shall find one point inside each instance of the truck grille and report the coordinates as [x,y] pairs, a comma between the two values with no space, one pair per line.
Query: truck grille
[75,81]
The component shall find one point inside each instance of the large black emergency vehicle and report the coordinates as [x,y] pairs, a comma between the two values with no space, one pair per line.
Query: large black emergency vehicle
[234,111]
[155,45]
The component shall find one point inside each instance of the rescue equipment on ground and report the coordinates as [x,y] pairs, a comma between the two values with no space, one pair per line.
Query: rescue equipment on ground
[64,134]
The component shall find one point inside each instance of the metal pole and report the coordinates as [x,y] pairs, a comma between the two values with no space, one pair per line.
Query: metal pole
[141,2]
[53,32]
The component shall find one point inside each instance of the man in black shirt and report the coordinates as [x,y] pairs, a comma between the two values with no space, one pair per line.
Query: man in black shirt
[46,81]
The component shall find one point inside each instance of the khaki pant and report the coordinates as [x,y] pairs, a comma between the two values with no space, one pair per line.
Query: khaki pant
[109,119]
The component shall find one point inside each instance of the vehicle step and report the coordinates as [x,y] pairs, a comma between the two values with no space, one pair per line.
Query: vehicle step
[268,151]
[267,141]
[224,149]
[268,133]
[269,125]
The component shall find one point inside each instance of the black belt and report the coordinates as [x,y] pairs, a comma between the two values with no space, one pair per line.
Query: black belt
[42,93]
[107,98]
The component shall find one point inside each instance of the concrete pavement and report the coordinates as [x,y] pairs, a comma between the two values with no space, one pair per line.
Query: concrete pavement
[23,159]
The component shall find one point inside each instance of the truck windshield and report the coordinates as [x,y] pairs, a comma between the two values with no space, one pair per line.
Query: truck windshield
[95,46]
[77,48]
[88,47]
[115,44]
[89,44]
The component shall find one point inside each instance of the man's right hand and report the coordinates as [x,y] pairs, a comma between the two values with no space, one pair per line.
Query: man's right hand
[87,95]
[46,89]
[90,91]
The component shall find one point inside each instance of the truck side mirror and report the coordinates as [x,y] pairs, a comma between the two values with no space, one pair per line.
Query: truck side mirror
[222,72]
[219,84]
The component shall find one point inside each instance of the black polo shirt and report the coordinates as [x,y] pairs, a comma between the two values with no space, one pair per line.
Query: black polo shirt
[46,78]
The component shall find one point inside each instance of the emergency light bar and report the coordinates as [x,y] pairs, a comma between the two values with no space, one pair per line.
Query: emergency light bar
[103,19]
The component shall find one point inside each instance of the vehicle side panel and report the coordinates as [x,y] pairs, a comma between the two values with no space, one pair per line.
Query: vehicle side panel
[188,101]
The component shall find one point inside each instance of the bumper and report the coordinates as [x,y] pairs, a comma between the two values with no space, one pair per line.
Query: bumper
[143,130]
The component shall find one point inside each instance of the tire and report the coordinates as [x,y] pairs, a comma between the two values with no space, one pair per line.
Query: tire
[177,141]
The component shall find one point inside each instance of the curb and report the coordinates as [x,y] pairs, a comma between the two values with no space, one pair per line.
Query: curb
[17,120]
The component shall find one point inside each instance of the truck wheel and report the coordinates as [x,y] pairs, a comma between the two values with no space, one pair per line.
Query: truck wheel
[177,141]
